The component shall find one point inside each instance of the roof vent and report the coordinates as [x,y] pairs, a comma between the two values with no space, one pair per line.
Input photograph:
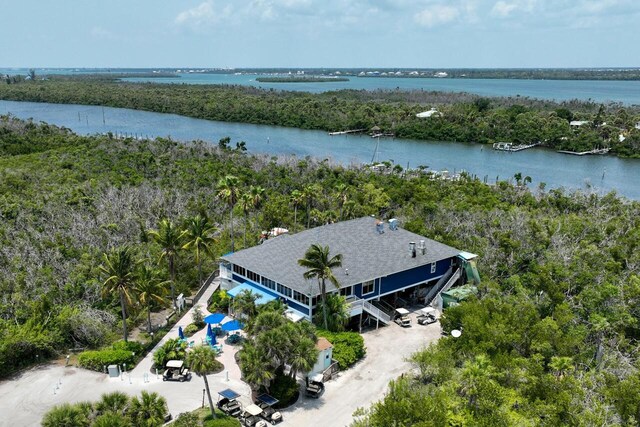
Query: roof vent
[412,248]
[393,224]
[423,247]
[380,227]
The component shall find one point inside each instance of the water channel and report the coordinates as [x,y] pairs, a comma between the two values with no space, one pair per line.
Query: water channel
[595,173]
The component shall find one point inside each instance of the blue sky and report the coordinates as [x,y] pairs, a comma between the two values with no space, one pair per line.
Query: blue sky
[320,33]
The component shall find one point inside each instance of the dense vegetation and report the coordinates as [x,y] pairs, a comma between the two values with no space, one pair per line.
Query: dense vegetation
[115,409]
[307,79]
[462,117]
[550,340]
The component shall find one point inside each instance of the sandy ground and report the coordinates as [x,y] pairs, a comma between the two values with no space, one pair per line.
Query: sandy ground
[26,397]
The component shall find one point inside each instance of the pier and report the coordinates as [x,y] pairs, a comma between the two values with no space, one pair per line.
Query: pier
[584,153]
[508,146]
[345,132]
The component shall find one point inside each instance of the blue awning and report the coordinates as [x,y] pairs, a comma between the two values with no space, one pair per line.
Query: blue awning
[229,394]
[269,400]
[246,286]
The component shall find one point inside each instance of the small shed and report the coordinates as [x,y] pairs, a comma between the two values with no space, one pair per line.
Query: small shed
[325,354]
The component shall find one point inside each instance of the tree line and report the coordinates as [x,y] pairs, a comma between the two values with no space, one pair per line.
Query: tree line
[461,117]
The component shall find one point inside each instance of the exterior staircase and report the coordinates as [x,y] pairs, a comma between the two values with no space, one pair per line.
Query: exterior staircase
[443,285]
[358,305]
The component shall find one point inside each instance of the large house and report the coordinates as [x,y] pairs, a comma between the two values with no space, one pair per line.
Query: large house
[381,263]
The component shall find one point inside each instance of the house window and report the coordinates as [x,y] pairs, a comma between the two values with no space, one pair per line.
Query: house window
[284,290]
[301,297]
[367,287]
[269,283]
[253,276]
[345,292]
[239,270]
[433,267]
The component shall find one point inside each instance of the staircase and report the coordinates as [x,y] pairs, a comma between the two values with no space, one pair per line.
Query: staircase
[358,305]
[443,285]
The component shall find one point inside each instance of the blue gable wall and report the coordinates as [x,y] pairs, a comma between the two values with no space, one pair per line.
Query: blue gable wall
[295,304]
[420,274]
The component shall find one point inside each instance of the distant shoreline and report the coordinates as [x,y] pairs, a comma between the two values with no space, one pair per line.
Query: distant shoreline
[301,79]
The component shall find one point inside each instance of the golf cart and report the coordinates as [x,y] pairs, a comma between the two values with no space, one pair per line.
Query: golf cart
[266,402]
[176,371]
[426,316]
[228,403]
[402,317]
[315,386]
[251,417]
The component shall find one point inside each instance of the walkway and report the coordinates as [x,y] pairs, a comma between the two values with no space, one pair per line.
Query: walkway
[28,396]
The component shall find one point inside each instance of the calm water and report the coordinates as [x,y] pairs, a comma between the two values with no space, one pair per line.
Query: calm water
[600,173]
[626,92]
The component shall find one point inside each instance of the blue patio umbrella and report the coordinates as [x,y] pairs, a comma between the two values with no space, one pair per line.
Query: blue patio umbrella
[180,332]
[209,332]
[213,340]
[233,325]
[214,318]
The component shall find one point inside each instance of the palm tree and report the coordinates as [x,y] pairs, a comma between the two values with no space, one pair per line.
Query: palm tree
[320,266]
[111,419]
[199,235]
[246,203]
[148,410]
[169,238]
[65,415]
[337,310]
[256,366]
[244,304]
[115,402]
[297,197]
[202,361]
[149,289]
[303,356]
[228,192]
[342,189]
[118,267]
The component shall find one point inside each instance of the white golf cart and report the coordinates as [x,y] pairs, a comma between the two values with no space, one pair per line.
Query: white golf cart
[402,317]
[427,315]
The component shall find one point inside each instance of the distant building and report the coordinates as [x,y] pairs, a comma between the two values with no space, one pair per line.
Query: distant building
[578,123]
[441,74]
[381,262]
[431,112]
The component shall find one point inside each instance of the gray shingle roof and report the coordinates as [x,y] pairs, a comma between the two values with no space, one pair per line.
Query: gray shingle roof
[366,253]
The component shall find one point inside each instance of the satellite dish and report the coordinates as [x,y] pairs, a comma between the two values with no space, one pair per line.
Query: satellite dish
[456,333]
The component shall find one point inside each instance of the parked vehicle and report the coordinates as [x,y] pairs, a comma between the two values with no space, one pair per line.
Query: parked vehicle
[251,417]
[228,403]
[427,316]
[266,403]
[402,317]
[315,386]
[176,371]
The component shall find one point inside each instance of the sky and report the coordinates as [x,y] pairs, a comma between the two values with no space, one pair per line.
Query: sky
[320,33]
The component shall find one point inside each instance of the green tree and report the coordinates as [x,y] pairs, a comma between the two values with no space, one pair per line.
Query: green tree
[337,310]
[256,367]
[228,191]
[65,415]
[320,266]
[202,361]
[118,267]
[303,355]
[115,402]
[246,203]
[149,289]
[244,305]
[111,419]
[199,236]
[297,198]
[148,410]
[169,238]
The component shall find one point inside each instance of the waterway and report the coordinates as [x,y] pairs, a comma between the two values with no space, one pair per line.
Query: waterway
[626,92]
[593,173]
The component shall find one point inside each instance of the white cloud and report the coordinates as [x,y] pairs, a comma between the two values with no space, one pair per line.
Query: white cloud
[503,8]
[100,33]
[203,15]
[436,15]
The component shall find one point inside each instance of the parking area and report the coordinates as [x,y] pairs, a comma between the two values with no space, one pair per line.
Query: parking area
[29,395]
[365,383]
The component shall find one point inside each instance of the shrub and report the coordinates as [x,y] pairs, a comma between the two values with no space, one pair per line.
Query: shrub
[132,346]
[285,389]
[198,317]
[171,350]
[97,359]
[348,347]
[191,329]
[220,301]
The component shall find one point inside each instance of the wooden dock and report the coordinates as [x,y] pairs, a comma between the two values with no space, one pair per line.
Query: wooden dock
[345,132]
[585,153]
[508,146]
